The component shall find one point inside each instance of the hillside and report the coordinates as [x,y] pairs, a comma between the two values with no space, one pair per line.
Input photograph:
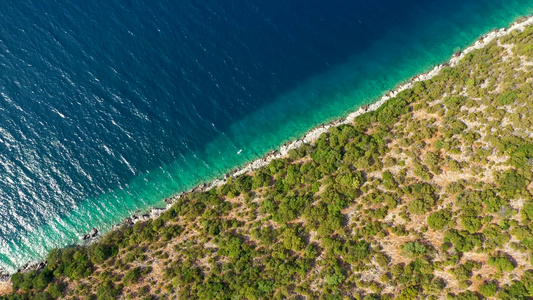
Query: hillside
[428,197]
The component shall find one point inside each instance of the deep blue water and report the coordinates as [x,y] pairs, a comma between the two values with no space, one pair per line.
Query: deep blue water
[109,106]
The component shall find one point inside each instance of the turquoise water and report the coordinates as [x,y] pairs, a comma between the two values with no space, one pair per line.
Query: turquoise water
[128,134]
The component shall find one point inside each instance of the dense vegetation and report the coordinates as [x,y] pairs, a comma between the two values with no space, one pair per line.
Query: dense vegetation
[428,197]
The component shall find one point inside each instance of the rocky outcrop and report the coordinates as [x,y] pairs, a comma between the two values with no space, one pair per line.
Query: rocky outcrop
[32,266]
[4,276]
[92,234]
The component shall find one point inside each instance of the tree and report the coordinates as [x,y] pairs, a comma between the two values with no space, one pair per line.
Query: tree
[527,210]
[487,289]
[99,253]
[291,240]
[471,224]
[421,205]
[413,249]
[502,262]
[468,295]
[56,290]
[512,183]
[42,280]
[54,258]
[107,291]
[462,273]
[132,276]
[440,219]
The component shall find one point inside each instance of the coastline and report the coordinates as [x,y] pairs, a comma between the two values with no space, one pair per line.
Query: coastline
[313,134]
[310,137]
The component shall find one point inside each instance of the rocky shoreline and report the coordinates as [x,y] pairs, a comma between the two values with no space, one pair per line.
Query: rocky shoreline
[310,137]
[31,266]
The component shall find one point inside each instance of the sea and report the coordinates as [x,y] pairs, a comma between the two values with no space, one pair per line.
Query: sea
[108,107]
